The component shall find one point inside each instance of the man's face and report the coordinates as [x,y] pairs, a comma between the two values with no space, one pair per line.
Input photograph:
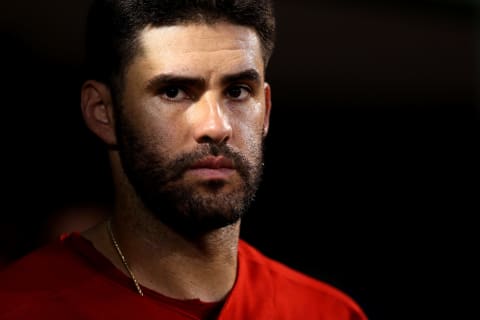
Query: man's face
[192,119]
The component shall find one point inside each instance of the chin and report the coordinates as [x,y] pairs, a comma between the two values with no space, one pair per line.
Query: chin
[198,213]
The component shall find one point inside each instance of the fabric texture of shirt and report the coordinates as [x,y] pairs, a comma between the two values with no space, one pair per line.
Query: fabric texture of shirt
[70,279]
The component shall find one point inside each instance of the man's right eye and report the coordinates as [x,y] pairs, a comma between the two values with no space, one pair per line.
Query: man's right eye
[173,94]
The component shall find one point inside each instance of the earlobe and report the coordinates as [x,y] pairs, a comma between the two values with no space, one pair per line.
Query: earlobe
[96,104]
[268,106]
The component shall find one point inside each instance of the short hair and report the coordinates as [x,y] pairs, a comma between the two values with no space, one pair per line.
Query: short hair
[113,27]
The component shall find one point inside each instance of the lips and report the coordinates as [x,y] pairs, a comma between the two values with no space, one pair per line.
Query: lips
[213,163]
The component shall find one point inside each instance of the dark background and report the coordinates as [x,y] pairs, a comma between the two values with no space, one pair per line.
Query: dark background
[371,179]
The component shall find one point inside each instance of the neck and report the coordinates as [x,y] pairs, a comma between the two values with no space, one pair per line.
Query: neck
[164,261]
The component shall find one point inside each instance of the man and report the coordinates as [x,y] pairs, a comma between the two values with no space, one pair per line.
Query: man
[177,91]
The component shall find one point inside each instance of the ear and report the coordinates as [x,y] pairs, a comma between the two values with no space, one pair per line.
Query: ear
[268,106]
[97,110]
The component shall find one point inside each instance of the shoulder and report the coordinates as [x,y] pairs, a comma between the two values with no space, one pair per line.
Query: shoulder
[37,280]
[37,270]
[292,287]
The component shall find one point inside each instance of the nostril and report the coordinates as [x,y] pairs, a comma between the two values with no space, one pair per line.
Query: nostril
[213,139]
[205,139]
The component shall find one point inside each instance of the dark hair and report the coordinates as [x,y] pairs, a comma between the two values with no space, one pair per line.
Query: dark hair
[113,27]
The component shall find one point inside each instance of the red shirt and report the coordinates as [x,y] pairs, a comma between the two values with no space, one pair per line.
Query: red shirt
[70,279]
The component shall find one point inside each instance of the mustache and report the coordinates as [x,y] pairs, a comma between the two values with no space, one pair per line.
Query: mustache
[180,164]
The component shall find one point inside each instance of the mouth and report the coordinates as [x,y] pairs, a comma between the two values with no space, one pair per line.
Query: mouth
[213,163]
[212,168]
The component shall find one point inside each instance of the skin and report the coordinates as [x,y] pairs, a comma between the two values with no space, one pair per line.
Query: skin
[174,122]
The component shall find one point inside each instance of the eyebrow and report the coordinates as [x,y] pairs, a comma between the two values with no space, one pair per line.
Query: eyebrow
[173,79]
[247,75]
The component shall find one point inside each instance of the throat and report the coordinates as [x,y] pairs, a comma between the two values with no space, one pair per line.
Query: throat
[179,268]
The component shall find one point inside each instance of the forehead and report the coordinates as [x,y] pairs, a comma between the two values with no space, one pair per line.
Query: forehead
[198,48]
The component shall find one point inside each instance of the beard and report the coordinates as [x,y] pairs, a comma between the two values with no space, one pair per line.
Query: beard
[191,208]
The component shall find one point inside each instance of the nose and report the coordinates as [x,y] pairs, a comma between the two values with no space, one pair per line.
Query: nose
[210,123]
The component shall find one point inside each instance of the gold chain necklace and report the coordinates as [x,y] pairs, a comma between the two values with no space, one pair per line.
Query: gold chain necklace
[122,257]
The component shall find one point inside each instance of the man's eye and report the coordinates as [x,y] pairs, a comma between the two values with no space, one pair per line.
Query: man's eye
[238,92]
[173,93]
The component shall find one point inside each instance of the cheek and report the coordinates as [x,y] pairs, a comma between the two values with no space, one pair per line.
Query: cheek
[160,128]
[250,130]
[255,118]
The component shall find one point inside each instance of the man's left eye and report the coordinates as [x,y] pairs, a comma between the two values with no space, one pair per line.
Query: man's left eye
[238,92]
